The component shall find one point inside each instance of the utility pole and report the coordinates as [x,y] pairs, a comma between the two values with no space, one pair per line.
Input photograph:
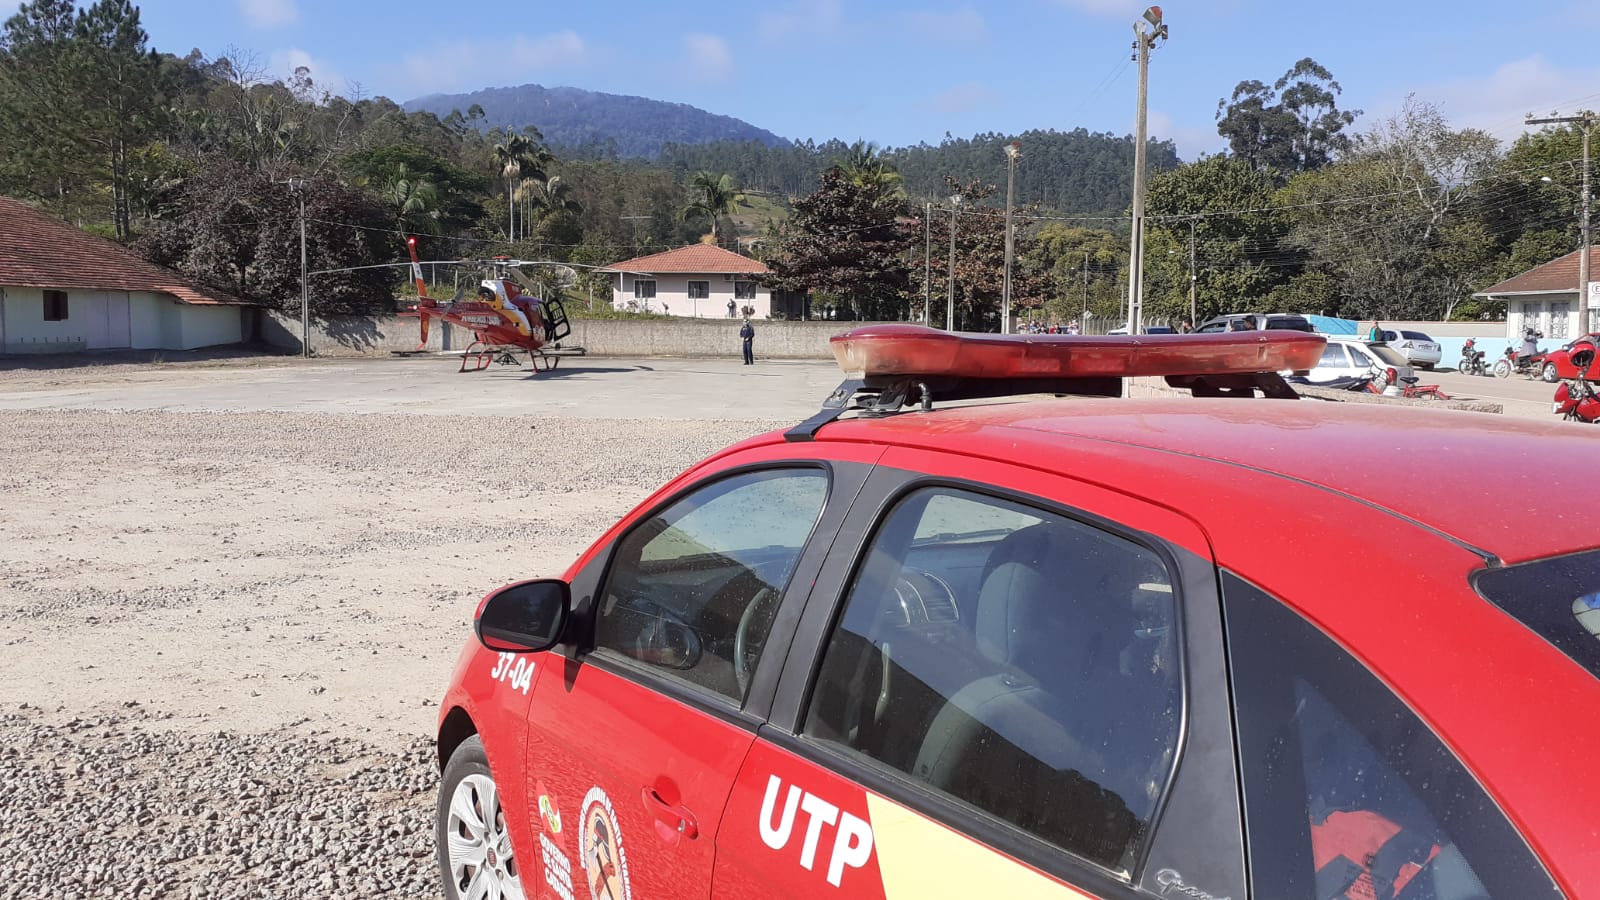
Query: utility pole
[1586,318]
[298,185]
[1084,322]
[950,301]
[1193,319]
[927,262]
[1013,150]
[1143,41]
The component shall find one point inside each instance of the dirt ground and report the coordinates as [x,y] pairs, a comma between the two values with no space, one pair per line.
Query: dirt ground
[273,578]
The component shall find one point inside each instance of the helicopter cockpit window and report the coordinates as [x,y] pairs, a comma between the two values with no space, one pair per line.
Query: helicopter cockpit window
[1558,598]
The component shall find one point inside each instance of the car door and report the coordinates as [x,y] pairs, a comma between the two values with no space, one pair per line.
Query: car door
[632,747]
[989,694]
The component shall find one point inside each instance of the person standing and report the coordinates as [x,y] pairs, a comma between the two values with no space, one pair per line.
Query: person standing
[1186,328]
[747,336]
[731,307]
[1375,336]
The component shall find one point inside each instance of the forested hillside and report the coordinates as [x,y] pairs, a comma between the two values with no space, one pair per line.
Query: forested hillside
[593,123]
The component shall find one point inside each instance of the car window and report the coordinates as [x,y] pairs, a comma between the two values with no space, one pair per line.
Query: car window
[1416,336]
[1389,355]
[1347,793]
[1211,327]
[1359,357]
[1390,336]
[1333,357]
[1018,661]
[1558,598]
[692,590]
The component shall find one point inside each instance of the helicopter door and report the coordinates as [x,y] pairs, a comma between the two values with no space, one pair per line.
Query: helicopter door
[556,326]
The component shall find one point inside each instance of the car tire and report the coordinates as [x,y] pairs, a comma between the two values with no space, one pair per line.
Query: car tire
[1548,373]
[473,839]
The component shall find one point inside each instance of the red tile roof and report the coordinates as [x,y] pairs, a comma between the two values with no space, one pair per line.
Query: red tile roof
[1557,275]
[39,251]
[695,259]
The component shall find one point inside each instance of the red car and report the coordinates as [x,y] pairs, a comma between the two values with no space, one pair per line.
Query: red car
[1186,648]
[1558,363]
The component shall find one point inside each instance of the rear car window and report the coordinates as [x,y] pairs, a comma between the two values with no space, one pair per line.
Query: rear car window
[1287,323]
[1558,598]
[1415,336]
[1388,355]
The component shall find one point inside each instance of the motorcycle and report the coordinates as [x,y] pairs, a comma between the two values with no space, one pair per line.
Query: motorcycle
[1472,359]
[1576,401]
[1521,364]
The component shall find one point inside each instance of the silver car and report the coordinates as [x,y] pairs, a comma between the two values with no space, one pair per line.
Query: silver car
[1418,348]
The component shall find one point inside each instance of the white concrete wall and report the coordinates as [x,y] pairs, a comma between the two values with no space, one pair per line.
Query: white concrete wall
[209,326]
[26,331]
[146,311]
[672,296]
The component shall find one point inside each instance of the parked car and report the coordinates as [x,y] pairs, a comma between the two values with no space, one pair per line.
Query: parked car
[1062,647]
[1151,329]
[1257,321]
[1558,363]
[1353,359]
[1422,351]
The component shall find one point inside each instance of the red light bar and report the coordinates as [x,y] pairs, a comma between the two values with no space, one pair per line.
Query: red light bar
[919,351]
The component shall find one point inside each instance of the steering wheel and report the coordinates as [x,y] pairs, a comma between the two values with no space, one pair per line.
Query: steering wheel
[746,650]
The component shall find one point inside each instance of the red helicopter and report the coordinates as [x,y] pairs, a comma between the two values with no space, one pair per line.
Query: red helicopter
[505,317]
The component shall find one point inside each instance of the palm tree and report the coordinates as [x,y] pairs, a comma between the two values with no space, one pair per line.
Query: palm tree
[414,199]
[521,157]
[713,196]
[865,166]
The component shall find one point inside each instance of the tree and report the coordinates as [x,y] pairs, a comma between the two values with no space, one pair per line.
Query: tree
[1082,268]
[1238,260]
[867,167]
[849,242]
[712,196]
[1293,126]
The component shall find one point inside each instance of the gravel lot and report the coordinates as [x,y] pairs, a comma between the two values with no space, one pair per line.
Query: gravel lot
[224,633]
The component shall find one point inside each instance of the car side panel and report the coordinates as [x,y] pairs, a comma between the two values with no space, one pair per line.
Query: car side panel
[796,829]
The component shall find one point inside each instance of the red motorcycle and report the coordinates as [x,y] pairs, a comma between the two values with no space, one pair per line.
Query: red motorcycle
[1576,400]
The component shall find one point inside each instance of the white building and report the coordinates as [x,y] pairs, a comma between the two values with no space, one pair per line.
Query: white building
[698,281]
[63,290]
[1545,298]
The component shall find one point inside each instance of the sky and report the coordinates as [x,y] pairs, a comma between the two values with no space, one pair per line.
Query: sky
[900,72]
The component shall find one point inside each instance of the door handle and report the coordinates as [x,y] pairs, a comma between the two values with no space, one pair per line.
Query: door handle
[675,819]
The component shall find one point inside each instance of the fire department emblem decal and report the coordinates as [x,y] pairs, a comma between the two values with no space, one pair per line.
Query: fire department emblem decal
[605,859]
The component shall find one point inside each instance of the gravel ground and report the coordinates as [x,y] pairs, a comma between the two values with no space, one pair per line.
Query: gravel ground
[223,636]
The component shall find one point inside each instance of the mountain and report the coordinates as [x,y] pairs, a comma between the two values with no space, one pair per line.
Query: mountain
[574,118]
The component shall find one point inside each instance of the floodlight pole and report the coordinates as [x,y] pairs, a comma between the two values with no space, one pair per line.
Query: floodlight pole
[1586,318]
[298,185]
[1084,322]
[1192,317]
[1143,41]
[1013,150]
[950,300]
[927,262]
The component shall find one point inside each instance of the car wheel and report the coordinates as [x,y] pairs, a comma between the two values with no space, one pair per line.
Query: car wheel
[1549,373]
[1502,369]
[474,841]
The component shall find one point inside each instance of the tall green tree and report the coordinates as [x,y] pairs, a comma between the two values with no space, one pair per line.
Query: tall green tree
[1295,125]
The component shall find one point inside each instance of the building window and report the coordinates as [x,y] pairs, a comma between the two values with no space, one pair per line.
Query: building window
[699,290]
[55,306]
[744,290]
[644,290]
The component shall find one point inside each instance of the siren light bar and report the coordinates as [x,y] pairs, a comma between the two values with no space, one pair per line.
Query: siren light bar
[917,351]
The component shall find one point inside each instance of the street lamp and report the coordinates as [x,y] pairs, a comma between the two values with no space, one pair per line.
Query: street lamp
[950,301]
[1013,151]
[1144,40]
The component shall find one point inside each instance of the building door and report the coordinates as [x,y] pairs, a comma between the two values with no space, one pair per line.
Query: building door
[119,328]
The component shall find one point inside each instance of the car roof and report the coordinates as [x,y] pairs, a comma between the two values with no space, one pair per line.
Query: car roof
[1446,471]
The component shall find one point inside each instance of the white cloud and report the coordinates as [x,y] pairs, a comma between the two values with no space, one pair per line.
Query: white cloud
[803,17]
[958,26]
[1498,101]
[283,64]
[709,61]
[457,65]
[963,98]
[269,13]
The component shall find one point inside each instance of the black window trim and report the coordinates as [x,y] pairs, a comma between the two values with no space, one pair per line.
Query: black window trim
[787,715]
[844,479]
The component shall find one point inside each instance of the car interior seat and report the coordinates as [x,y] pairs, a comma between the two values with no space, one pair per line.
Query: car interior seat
[1029,741]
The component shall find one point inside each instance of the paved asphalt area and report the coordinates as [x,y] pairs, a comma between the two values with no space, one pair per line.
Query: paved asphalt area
[581,387]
